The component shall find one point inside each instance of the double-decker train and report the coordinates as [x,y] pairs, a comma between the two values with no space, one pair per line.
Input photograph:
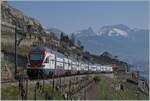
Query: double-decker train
[44,62]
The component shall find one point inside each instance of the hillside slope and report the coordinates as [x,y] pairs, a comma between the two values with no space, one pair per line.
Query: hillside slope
[30,32]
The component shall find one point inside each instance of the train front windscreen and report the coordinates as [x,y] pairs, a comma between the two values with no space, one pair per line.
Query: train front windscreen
[36,58]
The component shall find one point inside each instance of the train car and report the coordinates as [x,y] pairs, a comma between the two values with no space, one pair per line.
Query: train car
[44,63]
[98,67]
[90,68]
[70,66]
[81,68]
[86,69]
[78,67]
[106,69]
[102,69]
[109,69]
[93,68]
[74,67]
[66,66]
[38,63]
[59,69]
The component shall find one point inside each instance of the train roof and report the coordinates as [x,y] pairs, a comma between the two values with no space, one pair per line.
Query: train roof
[48,49]
[60,55]
[38,48]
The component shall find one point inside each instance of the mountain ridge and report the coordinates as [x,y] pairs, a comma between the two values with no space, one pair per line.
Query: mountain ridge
[132,43]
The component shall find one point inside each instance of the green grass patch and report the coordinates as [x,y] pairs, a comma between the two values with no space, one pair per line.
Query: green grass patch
[11,92]
[106,91]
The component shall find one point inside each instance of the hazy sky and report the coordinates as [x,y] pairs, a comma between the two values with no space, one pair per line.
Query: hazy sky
[73,16]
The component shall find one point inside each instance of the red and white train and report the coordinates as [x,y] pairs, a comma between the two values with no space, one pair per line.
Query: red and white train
[44,62]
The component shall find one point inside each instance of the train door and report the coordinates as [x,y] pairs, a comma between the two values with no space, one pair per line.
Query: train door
[46,62]
[52,61]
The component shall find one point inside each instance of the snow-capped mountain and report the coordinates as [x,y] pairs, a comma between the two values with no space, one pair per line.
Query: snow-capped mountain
[129,44]
[114,30]
[110,30]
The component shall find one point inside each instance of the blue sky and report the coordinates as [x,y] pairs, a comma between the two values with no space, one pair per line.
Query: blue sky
[73,16]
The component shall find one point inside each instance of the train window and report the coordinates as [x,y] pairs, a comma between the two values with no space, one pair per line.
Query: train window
[47,60]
